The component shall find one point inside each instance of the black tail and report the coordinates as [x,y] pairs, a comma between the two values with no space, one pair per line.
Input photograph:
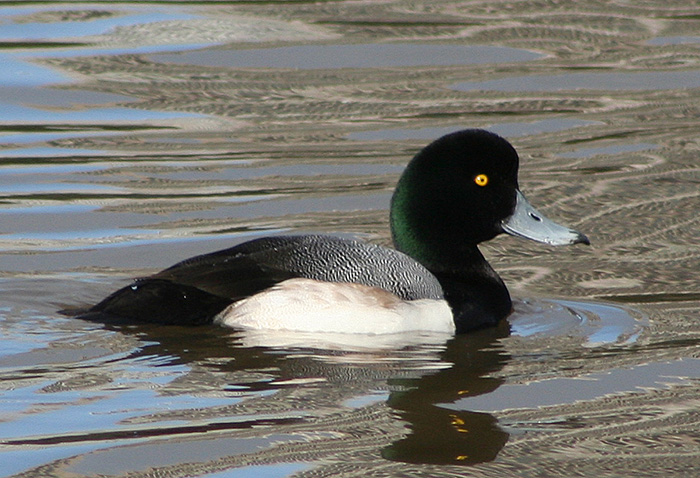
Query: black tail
[158,301]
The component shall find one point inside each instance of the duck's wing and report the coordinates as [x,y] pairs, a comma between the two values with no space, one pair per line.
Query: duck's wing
[157,301]
[234,273]
[195,290]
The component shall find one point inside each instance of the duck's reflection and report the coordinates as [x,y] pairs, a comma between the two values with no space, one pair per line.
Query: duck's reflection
[446,436]
[418,382]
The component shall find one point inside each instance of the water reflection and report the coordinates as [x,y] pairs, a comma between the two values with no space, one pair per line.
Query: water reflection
[420,380]
[440,435]
[676,40]
[563,390]
[36,23]
[627,148]
[369,55]
[509,130]
[16,71]
[613,81]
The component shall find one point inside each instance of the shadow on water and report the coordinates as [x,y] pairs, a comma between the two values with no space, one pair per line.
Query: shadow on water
[418,384]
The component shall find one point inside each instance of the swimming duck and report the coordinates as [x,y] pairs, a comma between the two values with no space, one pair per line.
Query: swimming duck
[459,191]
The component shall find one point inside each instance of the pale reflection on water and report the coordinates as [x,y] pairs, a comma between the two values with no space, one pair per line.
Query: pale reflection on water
[134,136]
[368,55]
[591,81]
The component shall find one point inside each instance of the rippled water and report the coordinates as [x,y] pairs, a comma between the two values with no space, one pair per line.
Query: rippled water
[133,136]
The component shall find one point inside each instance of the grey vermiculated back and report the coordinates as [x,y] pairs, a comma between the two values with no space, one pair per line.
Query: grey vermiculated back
[327,258]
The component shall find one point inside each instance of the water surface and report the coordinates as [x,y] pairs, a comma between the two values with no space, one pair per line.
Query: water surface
[134,136]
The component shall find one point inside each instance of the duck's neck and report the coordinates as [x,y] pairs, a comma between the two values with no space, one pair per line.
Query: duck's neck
[477,295]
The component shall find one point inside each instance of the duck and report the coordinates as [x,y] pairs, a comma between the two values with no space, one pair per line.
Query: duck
[457,192]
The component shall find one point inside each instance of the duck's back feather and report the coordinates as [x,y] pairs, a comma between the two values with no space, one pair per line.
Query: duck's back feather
[195,290]
[254,265]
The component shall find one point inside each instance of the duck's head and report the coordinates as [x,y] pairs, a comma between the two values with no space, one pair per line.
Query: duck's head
[461,190]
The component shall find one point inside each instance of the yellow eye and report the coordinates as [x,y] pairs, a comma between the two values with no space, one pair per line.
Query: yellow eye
[481,180]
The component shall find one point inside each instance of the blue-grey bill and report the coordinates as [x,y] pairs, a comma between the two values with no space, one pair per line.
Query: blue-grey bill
[529,223]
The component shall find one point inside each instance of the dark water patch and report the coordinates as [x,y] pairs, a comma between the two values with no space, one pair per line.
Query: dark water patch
[39,45]
[71,128]
[399,23]
[654,298]
[46,133]
[139,433]
[615,135]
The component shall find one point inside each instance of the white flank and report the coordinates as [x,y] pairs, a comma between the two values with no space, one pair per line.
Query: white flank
[314,306]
